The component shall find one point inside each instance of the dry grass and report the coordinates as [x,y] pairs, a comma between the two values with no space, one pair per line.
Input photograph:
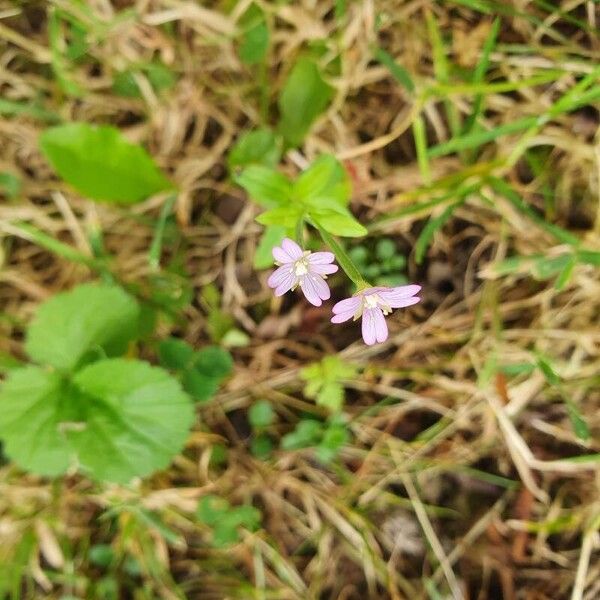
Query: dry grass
[460,480]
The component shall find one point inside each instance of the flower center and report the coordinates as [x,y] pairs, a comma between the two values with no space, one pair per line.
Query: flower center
[301,267]
[371,301]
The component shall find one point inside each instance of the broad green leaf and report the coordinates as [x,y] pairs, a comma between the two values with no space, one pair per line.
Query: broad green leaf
[261,414]
[337,223]
[284,216]
[101,164]
[257,147]
[174,353]
[116,419]
[208,368]
[272,236]
[266,187]
[213,361]
[325,178]
[304,97]
[331,396]
[91,317]
[255,43]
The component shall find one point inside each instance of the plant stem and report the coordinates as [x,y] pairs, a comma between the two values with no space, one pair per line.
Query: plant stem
[300,232]
[345,261]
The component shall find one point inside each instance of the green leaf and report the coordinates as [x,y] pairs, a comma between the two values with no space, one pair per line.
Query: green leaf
[257,147]
[204,375]
[225,520]
[174,353]
[580,427]
[266,187]
[255,43]
[325,179]
[334,438]
[517,369]
[304,97]
[433,225]
[10,185]
[101,164]
[261,414]
[342,224]
[285,216]
[331,396]
[116,419]
[213,361]
[307,433]
[211,509]
[399,73]
[272,236]
[90,317]
[385,249]
[261,446]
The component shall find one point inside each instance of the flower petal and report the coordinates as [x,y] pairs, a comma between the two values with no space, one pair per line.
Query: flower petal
[323,269]
[381,328]
[403,302]
[401,291]
[291,248]
[343,317]
[348,305]
[279,276]
[322,288]
[321,258]
[286,285]
[281,256]
[369,331]
[310,291]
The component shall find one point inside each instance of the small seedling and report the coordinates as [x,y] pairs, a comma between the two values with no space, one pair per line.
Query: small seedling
[324,382]
[383,264]
[225,520]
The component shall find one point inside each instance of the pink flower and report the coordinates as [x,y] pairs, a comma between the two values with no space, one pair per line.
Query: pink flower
[373,304]
[302,268]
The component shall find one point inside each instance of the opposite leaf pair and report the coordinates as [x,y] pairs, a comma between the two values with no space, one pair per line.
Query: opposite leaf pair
[308,270]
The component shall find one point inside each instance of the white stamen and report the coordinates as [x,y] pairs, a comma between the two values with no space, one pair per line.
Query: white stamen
[371,301]
[300,268]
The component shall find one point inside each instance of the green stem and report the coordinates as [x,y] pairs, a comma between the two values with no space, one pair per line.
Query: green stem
[345,261]
[159,231]
[300,232]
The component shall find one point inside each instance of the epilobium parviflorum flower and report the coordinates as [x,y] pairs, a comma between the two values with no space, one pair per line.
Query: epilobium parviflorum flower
[373,304]
[304,269]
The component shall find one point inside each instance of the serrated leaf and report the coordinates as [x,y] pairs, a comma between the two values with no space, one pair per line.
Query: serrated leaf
[337,223]
[266,187]
[258,147]
[304,97]
[89,317]
[101,164]
[117,419]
